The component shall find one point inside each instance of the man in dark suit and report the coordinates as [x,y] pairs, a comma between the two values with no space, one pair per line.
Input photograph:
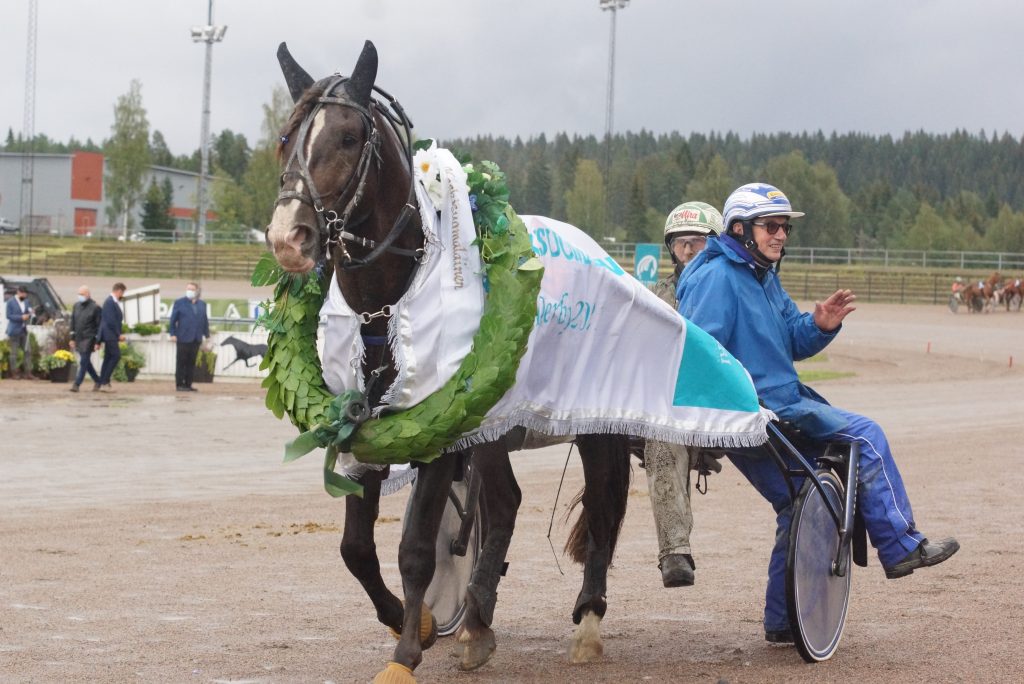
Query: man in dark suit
[109,336]
[18,315]
[188,326]
[85,326]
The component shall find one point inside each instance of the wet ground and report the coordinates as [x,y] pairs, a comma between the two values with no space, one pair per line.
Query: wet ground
[155,536]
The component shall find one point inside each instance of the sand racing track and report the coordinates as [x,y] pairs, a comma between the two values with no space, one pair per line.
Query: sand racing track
[153,536]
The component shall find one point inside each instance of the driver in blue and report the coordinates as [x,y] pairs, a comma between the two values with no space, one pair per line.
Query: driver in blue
[732,291]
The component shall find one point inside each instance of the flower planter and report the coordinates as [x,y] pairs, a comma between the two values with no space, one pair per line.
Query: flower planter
[60,374]
[201,374]
[131,373]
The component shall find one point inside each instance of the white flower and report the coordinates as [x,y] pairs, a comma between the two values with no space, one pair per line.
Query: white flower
[428,173]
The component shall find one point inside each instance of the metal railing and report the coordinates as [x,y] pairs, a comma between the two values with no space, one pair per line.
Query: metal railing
[885,258]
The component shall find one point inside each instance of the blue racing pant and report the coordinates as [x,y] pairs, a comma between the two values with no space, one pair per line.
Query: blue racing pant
[881,499]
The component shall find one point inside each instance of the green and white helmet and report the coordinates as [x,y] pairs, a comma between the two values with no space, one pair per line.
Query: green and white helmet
[695,218]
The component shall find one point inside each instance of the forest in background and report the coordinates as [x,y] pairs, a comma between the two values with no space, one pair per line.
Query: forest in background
[955,191]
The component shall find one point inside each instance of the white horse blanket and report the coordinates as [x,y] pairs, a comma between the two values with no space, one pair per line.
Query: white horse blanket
[605,354]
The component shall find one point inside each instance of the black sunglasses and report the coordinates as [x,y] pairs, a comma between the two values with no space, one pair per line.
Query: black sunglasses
[773,227]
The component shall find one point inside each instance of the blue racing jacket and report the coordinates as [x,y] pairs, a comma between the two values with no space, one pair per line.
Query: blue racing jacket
[753,317]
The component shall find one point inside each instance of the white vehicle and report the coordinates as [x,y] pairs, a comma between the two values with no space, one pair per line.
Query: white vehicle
[7,226]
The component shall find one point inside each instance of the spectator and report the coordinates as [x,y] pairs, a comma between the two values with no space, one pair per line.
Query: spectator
[109,336]
[19,313]
[188,326]
[85,326]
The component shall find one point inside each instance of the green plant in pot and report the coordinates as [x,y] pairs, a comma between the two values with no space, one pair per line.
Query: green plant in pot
[58,365]
[132,361]
[206,364]
[5,356]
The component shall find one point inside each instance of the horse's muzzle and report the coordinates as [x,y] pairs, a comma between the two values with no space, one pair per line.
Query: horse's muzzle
[294,249]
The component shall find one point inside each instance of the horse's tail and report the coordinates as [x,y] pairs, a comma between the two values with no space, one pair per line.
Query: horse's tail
[605,493]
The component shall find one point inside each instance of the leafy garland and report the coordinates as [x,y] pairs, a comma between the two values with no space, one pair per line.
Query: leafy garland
[295,385]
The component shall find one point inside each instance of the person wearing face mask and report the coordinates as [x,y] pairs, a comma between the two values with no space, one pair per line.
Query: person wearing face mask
[19,313]
[85,324]
[732,291]
[188,326]
[668,465]
[109,336]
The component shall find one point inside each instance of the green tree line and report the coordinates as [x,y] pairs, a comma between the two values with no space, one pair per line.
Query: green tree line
[950,191]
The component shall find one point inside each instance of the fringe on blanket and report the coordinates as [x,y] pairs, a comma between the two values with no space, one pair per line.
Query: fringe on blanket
[636,428]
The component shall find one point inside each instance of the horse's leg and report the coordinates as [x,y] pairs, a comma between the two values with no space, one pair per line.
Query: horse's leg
[359,550]
[606,487]
[499,501]
[416,559]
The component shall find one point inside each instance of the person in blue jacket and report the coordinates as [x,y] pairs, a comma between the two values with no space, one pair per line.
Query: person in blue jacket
[19,313]
[732,291]
[110,336]
[188,326]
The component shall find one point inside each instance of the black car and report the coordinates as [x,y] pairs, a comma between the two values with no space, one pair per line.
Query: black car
[45,302]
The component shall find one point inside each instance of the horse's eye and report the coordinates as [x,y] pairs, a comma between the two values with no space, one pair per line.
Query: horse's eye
[348,141]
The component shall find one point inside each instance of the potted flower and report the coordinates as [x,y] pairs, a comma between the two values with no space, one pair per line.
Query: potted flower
[131,362]
[5,349]
[206,363]
[58,365]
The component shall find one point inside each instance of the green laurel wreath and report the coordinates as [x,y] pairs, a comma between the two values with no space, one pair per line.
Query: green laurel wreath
[295,385]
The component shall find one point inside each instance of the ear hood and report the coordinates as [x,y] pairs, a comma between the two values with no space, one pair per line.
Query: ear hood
[294,75]
[360,84]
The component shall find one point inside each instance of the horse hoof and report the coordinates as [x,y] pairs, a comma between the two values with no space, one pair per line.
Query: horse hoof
[477,648]
[428,629]
[394,674]
[586,643]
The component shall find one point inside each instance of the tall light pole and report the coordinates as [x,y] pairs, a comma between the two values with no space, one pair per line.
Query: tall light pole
[28,136]
[609,113]
[208,34]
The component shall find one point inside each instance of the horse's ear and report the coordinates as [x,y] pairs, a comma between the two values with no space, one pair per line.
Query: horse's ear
[360,83]
[294,75]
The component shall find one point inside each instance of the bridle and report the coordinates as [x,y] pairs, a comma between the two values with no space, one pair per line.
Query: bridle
[332,226]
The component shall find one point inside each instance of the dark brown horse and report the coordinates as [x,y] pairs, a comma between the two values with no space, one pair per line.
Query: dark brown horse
[346,199]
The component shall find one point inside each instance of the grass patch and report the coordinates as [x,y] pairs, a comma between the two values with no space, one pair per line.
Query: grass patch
[817,358]
[819,375]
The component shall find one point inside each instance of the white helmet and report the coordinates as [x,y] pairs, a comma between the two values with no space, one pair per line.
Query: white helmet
[698,218]
[755,200]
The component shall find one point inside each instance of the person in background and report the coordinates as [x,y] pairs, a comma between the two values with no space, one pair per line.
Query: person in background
[85,326]
[19,313]
[732,291]
[188,326]
[668,465]
[110,336]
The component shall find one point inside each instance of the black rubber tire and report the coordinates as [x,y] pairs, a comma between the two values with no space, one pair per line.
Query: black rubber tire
[817,599]
[446,594]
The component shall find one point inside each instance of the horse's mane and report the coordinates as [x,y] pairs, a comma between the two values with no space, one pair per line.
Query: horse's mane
[302,108]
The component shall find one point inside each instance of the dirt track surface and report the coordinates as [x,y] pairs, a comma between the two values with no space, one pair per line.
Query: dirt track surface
[155,536]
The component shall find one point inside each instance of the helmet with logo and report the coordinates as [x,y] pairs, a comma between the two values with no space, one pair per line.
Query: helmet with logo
[692,218]
[756,200]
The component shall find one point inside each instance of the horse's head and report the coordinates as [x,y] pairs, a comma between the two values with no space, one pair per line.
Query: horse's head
[328,149]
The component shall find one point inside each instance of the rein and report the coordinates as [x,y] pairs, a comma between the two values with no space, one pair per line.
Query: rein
[332,226]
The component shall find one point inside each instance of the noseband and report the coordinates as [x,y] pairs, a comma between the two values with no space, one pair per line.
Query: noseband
[332,226]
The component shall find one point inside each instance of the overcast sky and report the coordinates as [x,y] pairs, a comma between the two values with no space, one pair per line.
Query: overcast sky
[524,67]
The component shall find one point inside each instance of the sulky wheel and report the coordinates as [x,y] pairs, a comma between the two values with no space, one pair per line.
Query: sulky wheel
[817,598]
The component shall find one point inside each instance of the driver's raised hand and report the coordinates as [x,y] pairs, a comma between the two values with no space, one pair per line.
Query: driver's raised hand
[829,315]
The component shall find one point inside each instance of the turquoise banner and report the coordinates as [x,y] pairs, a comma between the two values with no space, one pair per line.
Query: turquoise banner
[645,263]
